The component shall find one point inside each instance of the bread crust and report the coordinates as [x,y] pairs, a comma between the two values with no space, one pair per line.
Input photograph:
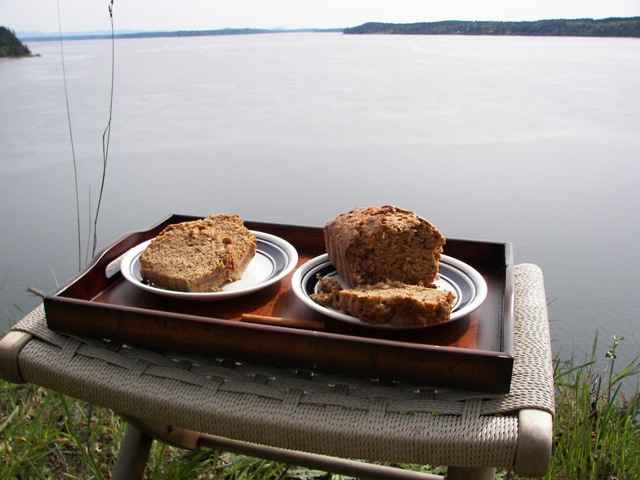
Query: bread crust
[368,245]
[199,255]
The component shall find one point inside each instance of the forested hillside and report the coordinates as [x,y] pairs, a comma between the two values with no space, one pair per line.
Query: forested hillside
[609,27]
[10,46]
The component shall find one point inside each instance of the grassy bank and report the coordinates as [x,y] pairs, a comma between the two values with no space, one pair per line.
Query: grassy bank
[46,435]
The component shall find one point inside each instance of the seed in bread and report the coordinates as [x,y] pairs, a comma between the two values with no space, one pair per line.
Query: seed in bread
[199,255]
[378,244]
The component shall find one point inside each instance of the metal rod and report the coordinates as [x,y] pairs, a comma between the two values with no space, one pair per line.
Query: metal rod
[314,461]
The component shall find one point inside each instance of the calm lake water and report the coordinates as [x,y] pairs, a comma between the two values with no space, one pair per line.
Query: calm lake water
[534,141]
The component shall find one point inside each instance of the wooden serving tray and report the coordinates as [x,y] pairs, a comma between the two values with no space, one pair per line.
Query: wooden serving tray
[473,353]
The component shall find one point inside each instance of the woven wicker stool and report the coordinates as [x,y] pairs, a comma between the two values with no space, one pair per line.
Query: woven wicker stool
[300,417]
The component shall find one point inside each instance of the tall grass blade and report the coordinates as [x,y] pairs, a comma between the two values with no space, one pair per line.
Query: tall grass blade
[106,136]
[73,151]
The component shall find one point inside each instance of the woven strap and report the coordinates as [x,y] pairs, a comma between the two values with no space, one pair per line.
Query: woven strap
[337,415]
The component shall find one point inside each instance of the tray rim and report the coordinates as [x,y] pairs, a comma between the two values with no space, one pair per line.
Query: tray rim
[57,300]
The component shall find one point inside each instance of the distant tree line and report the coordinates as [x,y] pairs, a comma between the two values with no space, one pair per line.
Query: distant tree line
[222,31]
[609,27]
[10,46]
[193,33]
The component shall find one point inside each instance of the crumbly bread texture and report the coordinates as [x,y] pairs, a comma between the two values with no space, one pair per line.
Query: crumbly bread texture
[328,292]
[394,303]
[383,244]
[200,255]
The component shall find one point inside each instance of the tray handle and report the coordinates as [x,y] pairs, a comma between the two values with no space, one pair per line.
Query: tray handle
[102,270]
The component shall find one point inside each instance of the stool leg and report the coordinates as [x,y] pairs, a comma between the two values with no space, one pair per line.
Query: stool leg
[133,456]
[459,473]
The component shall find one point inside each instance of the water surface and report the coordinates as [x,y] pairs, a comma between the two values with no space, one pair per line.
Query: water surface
[526,140]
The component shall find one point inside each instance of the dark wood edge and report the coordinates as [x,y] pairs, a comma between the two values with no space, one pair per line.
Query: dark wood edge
[508,314]
[442,362]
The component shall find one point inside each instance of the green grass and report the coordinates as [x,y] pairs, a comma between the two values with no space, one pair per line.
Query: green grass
[597,429]
[45,435]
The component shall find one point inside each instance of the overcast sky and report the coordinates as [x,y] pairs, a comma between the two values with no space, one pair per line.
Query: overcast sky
[150,15]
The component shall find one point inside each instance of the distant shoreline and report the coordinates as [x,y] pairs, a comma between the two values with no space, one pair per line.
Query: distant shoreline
[179,33]
[586,27]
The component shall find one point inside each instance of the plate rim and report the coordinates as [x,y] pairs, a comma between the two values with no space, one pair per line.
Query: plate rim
[289,250]
[478,280]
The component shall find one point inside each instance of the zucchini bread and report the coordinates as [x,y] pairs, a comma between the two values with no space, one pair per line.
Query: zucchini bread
[388,258]
[199,255]
[394,303]
[383,244]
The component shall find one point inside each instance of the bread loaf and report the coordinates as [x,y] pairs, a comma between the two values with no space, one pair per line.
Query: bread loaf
[199,255]
[379,244]
[389,259]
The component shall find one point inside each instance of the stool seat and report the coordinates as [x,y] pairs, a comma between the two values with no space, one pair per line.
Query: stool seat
[193,400]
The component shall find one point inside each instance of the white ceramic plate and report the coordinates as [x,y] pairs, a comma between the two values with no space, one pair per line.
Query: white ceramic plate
[463,280]
[275,258]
